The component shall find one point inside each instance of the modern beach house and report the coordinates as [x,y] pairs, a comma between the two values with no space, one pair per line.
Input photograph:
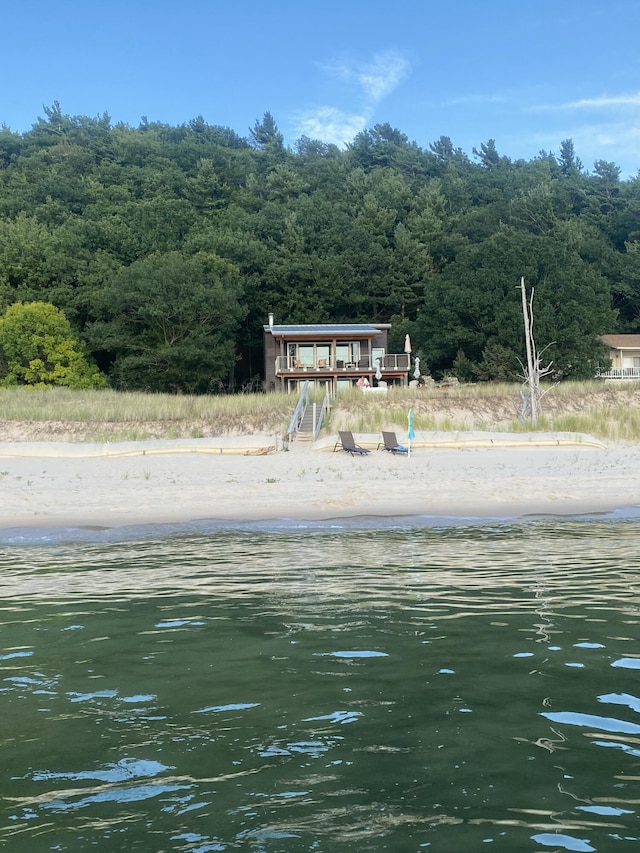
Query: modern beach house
[624,352]
[331,357]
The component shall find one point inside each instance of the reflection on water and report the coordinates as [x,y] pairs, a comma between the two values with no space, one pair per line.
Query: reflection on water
[323,690]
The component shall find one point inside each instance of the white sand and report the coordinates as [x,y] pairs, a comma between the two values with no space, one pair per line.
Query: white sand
[464,475]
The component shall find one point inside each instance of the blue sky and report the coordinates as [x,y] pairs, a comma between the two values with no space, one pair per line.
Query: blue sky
[527,73]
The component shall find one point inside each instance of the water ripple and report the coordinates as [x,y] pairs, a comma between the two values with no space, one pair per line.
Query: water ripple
[448,688]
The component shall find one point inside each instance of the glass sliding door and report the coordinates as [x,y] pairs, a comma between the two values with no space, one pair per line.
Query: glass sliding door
[306,355]
[323,355]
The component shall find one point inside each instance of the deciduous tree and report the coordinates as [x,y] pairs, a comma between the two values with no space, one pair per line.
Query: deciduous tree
[39,348]
[168,323]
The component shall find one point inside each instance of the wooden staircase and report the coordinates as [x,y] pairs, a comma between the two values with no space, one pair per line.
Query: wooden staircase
[303,425]
[305,431]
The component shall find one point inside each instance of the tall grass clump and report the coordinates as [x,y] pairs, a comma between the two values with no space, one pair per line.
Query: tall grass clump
[101,408]
[607,411]
[613,422]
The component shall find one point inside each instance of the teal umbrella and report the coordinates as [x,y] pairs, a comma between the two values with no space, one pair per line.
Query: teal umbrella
[410,431]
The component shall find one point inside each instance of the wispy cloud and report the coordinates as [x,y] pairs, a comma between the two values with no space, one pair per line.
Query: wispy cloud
[381,76]
[476,100]
[606,126]
[616,141]
[330,125]
[604,102]
[370,82]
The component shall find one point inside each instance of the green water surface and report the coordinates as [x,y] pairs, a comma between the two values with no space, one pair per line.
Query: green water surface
[455,689]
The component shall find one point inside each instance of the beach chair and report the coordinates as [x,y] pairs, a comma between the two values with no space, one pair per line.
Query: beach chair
[347,442]
[390,443]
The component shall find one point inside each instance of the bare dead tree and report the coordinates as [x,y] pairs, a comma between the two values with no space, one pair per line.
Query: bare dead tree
[533,372]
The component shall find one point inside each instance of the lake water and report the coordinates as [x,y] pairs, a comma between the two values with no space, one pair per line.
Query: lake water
[358,686]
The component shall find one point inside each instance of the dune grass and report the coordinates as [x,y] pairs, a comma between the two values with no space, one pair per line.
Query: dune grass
[114,415]
[106,406]
[606,412]
[617,422]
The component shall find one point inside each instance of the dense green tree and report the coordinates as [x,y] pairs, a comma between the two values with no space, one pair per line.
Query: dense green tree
[473,307]
[488,155]
[265,133]
[570,163]
[11,145]
[121,226]
[628,292]
[168,322]
[38,348]
[385,146]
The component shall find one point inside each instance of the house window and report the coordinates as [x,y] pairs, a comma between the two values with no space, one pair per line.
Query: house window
[323,355]
[343,353]
[348,353]
[305,355]
[377,353]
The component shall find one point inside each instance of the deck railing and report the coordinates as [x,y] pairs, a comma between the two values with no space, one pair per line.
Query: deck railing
[620,373]
[322,415]
[298,415]
[392,362]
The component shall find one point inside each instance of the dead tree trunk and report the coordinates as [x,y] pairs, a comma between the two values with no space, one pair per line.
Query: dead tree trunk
[533,372]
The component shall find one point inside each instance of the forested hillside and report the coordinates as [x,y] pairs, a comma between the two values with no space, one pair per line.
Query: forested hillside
[166,247]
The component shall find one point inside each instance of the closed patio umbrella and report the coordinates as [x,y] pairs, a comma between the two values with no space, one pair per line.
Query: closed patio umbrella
[407,349]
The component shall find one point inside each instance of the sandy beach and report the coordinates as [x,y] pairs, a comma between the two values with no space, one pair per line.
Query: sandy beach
[51,484]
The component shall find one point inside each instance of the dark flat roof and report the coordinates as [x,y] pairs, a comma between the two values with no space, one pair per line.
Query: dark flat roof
[329,330]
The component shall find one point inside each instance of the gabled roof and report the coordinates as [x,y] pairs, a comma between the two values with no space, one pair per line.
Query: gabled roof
[621,341]
[328,330]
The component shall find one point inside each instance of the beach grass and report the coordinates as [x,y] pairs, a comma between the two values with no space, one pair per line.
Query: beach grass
[100,415]
[605,411]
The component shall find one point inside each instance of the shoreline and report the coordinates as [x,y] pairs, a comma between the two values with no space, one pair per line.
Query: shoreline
[46,485]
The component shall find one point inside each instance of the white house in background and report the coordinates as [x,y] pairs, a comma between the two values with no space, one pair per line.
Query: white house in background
[624,352]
